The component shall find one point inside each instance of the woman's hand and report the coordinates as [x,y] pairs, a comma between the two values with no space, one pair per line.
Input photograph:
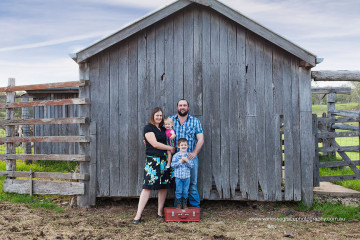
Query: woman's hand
[172,150]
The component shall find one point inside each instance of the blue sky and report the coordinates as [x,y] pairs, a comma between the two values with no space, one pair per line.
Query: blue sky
[37,36]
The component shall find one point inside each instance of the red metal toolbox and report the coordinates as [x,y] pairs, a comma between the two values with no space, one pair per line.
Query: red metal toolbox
[172,214]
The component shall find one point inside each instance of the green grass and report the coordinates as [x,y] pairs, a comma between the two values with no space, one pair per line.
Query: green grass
[352,184]
[331,210]
[319,109]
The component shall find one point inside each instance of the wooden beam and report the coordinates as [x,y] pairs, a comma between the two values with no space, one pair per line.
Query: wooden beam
[338,134]
[339,90]
[346,113]
[338,120]
[46,139]
[338,164]
[48,175]
[44,121]
[339,178]
[46,157]
[335,75]
[345,127]
[43,187]
[341,149]
[46,103]
[43,86]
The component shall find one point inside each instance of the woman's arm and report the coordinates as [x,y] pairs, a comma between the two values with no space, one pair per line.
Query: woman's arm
[150,137]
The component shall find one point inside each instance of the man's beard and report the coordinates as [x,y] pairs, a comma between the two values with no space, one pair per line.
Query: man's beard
[183,114]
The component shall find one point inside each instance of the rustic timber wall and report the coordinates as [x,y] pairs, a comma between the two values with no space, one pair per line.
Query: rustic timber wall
[65,111]
[241,87]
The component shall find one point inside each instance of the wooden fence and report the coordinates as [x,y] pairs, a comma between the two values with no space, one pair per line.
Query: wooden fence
[324,129]
[81,184]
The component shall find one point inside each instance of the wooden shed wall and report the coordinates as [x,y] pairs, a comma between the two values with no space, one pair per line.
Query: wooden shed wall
[241,87]
[56,130]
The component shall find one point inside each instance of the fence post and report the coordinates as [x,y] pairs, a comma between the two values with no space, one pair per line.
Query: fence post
[25,114]
[84,148]
[331,99]
[10,129]
[316,156]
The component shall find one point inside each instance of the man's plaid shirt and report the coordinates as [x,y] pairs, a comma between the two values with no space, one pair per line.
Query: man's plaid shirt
[190,128]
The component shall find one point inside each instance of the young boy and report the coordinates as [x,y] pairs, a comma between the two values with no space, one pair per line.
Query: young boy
[182,166]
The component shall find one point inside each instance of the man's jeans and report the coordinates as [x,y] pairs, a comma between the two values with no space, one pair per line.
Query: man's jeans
[182,188]
[194,199]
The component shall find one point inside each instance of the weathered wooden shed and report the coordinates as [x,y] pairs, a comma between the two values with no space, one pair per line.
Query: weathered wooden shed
[249,87]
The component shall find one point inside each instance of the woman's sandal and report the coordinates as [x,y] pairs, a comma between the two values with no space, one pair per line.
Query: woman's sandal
[158,216]
[137,221]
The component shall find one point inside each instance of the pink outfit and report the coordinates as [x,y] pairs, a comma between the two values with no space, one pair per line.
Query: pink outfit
[169,141]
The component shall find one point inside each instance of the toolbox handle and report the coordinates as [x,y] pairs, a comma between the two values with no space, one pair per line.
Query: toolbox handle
[183,215]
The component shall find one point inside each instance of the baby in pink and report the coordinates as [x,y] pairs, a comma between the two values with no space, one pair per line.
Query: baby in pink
[170,134]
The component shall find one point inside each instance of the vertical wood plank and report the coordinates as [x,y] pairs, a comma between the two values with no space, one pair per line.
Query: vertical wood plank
[278,111]
[10,130]
[296,128]
[197,84]
[189,56]
[288,127]
[178,57]
[197,108]
[124,112]
[170,106]
[307,141]
[114,123]
[84,111]
[224,116]
[95,116]
[233,109]
[269,124]
[205,165]
[146,90]
[214,100]
[242,141]
[92,167]
[160,67]
[260,117]
[133,116]
[278,158]
[316,157]
[251,162]
[104,127]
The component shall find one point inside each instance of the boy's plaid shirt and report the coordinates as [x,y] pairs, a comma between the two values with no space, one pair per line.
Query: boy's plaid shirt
[181,170]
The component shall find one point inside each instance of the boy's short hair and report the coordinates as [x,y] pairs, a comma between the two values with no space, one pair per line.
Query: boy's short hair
[182,140]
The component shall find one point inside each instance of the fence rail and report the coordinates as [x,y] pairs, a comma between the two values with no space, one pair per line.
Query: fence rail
[45,121]
[44,86]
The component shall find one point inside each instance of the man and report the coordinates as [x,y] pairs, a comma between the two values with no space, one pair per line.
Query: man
[189,127]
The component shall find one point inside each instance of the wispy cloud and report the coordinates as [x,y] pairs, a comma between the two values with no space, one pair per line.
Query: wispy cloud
[56,41]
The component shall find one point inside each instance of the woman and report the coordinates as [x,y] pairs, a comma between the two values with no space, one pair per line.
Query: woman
[156,175]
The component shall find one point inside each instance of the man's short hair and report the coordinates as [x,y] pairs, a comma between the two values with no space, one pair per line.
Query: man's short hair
[182,140]
[183,100]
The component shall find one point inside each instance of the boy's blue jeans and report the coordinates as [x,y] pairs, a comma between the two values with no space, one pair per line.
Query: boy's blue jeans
[182,188]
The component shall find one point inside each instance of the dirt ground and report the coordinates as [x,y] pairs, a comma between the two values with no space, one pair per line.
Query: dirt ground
[220,220]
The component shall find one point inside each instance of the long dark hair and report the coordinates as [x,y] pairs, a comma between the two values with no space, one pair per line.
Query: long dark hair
[152,120]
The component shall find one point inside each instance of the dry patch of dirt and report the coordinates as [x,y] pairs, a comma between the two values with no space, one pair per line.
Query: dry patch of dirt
[220,220]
